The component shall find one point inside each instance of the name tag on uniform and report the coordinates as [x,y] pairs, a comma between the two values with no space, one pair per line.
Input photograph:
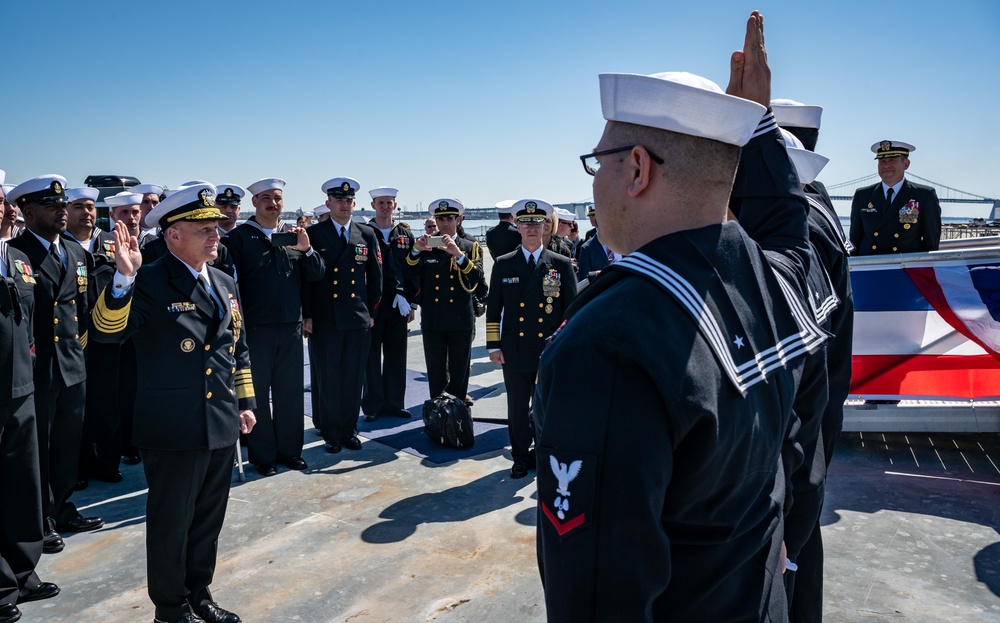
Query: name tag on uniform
[176,308]
[431,261]
[511,280]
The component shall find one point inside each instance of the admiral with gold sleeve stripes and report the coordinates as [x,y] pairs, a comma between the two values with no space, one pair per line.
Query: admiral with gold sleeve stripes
[192,358]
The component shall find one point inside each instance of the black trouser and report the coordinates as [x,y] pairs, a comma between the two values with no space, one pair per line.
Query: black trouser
[127,383]
[100,449]
[804,541]
[59,415]
[385,375]
[185,509]
[340,361]
[21,519]
[276,363]
[314,401]
[520,387]
[448,354]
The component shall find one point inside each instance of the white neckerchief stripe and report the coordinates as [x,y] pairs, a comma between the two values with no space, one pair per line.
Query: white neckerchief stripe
[693,303]
[834,223]
[277,227]
[754,370]
[765,125]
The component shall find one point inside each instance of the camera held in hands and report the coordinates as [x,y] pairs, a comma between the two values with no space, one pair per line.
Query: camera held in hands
[434,242]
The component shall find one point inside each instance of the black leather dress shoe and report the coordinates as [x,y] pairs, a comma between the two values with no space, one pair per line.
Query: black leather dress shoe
[266,469]
[352,443]
[44,590]
[113,476]
[370,417]
[296,463]
[518,470]
[212,613]
[187,617]
[131,459]
[81,524]
[333,447]
[52,543]
[401,413]
[9,613]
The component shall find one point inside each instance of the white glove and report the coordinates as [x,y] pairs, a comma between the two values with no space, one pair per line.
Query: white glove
[402,305]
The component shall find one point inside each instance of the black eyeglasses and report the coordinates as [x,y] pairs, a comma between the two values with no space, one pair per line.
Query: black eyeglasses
[591,164]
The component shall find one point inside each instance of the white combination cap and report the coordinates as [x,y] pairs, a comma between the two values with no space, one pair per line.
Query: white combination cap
[83,192]
[446,207]
[891,149]
[268,183]
[126,198]
[807,164]
[503,207]
[792,114]
[565,215]
[532,210]
[679,102]
[229,194]
[49,188]
[190,203]
[145,189]
[383,191]
[341,187]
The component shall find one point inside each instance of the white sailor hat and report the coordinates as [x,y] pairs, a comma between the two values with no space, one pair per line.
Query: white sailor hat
[44,189]
[145,189]
[7,188]
[194,182]
[341,187]
[191,203]
[320,210]
[503,207]
[383,191]
[82,192]
[891,149]
[229,194]
[679,102]
[807,164]
[792,114]
[126,198]
[268,183]
[531,210]
[565,215]
[446,207]
[3,176]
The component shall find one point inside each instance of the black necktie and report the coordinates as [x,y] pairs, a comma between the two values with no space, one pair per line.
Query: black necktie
[215,303]
[888,197]
[531,263]
[55,255]
[343,235]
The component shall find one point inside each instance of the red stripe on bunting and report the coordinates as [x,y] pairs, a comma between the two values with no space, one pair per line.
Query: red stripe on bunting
[926,376]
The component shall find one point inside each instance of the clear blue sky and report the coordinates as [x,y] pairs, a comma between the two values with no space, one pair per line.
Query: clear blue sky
[480,101]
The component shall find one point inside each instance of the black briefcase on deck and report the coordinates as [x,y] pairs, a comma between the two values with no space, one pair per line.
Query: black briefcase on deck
[448,421]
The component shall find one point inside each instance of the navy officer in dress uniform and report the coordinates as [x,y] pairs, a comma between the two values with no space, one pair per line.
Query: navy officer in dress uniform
[894,215]
[339,311]
[21,521]
[197,394]
[228,202]
[385,376]
[449,269]
[61,272]
[271,278]
[530,289]
[660,487]
[503,238]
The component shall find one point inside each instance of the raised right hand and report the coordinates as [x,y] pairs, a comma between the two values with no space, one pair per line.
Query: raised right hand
[128,259]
